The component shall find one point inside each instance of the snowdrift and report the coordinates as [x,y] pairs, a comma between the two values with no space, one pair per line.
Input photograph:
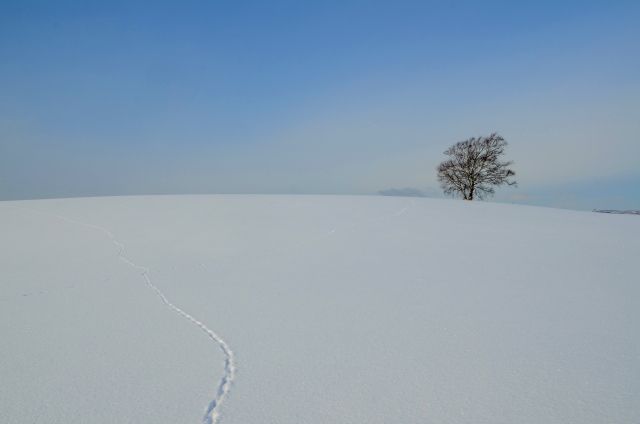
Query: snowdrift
[316,309]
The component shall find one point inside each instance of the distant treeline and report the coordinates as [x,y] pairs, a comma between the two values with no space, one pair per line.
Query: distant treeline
[627,212]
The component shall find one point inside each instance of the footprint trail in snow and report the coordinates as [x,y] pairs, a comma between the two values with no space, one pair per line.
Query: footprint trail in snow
[212,411]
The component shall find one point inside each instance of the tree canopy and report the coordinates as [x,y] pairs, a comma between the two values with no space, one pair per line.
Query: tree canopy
[474,167]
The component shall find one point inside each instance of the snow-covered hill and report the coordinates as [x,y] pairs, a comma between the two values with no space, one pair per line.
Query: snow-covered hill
[316,309]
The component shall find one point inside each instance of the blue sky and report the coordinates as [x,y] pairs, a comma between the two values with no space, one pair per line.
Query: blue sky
[104,98]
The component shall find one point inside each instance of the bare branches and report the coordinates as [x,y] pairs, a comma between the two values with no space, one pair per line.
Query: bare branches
[474,169]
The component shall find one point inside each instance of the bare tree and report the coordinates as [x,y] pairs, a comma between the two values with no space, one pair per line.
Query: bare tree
[474,167]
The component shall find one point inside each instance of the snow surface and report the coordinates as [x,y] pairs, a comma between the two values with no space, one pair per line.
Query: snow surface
[316,309]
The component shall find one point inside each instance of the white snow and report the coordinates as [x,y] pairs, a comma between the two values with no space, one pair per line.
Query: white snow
[316,309]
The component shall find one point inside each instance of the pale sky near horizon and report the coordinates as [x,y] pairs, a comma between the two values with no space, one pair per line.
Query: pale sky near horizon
[344,97]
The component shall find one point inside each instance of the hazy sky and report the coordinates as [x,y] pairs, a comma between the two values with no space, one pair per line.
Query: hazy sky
[130,97]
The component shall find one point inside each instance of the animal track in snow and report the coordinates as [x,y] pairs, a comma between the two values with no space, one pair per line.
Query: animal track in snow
[212,410]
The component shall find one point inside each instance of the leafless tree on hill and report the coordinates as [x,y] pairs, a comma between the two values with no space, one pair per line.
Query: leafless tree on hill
[474,168]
